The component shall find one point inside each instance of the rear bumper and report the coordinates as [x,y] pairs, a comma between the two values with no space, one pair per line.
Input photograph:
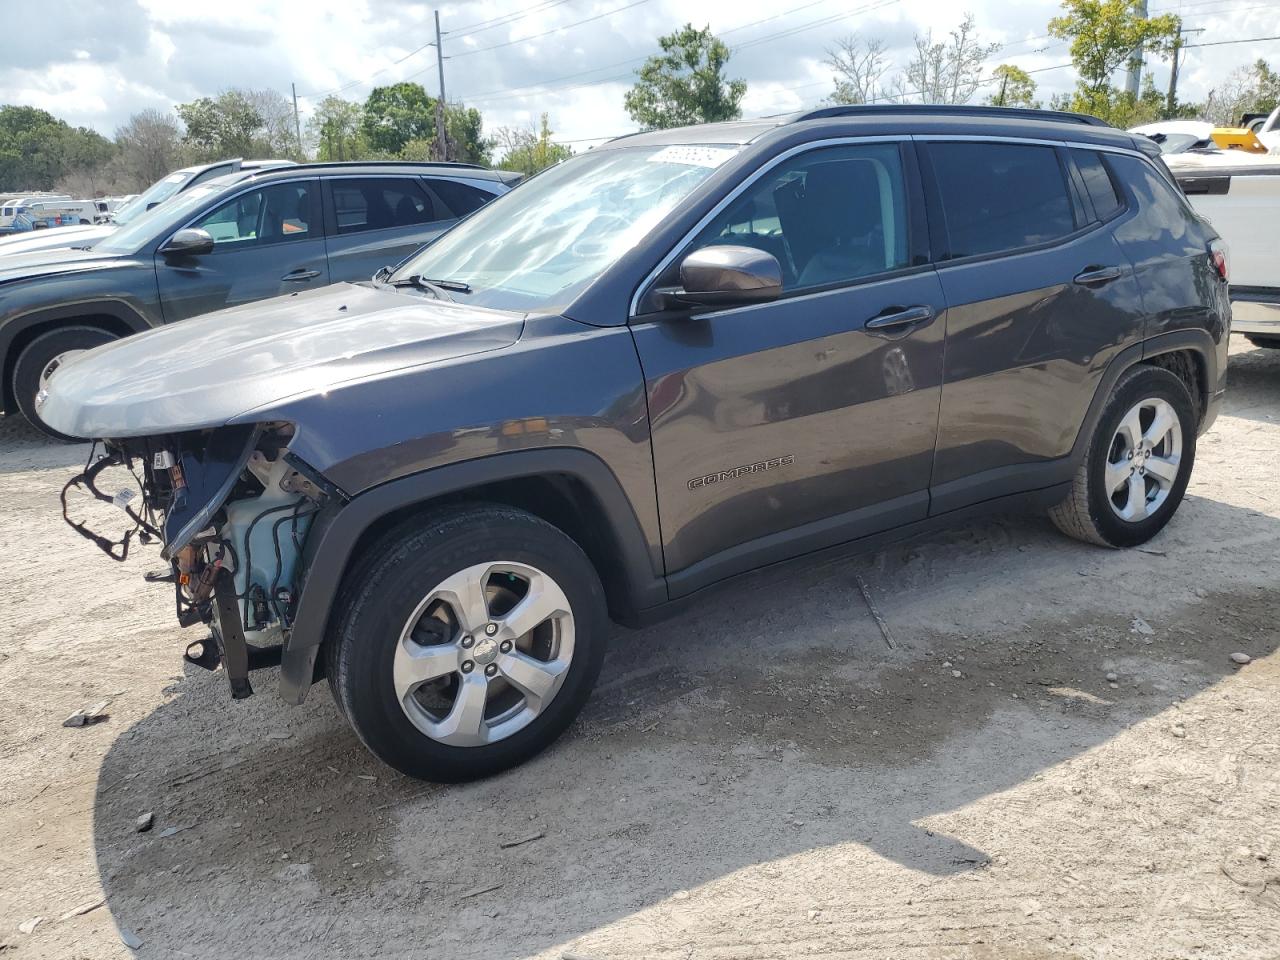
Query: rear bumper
[1255,311]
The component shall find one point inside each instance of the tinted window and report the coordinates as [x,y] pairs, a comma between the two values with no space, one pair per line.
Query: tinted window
[275,214]
[461,198]
[1106,202]
[1000,196]
[828,216]
[378,203]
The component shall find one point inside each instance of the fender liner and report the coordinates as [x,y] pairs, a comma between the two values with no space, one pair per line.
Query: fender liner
[338,529]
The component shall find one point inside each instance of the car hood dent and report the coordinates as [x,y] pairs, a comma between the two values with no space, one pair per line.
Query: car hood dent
[215,369]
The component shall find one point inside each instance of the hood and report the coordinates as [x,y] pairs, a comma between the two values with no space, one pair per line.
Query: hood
[54,238]
[51,263]
[209,371]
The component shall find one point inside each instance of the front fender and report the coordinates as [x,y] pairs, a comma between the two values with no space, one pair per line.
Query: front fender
[337,532]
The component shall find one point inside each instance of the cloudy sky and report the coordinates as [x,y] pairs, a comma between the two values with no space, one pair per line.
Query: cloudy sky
[94,62]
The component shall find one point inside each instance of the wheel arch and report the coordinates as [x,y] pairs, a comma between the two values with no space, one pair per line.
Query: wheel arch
[16,333]
[570,488]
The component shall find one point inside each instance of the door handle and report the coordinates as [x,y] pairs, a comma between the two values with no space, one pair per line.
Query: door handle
[301,274]
[1097,275]
[900,322]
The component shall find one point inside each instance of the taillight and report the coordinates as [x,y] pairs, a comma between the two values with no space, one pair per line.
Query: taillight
[1218,253]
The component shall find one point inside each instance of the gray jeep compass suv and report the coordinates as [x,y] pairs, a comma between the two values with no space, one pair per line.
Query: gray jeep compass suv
[672,359]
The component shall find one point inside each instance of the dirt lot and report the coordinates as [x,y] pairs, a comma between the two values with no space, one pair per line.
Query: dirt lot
[764,777]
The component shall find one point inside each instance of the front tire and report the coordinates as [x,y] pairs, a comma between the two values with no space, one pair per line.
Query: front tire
[1139,461]
[467,641]
[38,361]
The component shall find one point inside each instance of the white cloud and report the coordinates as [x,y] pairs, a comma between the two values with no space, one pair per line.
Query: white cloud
[114,57]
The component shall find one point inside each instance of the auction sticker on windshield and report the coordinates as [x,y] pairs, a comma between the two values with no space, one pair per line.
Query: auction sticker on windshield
[694,156]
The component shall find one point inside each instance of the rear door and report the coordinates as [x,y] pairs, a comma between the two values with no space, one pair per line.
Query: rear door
[1039,296]
[378,221]
[787,426]
[267,241]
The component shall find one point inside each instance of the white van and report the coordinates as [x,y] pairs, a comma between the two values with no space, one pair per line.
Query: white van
[18,204]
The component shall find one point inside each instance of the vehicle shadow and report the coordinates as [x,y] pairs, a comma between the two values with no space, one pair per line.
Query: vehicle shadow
[773,721]
[1253,382]
[26,448]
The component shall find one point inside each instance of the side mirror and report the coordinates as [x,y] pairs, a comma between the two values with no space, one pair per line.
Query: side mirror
[191,242]
[721,276]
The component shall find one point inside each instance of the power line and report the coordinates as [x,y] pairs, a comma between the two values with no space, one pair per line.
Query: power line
[552,84]
[547,33]
[1223,43]
[502,20]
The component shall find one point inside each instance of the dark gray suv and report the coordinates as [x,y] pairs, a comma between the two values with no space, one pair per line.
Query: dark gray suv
[678,357]
[239,237]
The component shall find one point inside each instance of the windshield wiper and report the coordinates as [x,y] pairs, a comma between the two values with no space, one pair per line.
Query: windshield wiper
[441,288]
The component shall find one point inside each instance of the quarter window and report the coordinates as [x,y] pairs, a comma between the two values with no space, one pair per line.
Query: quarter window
[1102,191]
[279,213]
[999,196]
[462,198]
[379,203]
[829,216]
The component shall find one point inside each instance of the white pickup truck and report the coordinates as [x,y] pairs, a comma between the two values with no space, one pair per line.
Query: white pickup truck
[1240,195]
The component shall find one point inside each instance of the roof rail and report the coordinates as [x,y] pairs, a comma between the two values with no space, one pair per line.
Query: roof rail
[946,110]
[382,163]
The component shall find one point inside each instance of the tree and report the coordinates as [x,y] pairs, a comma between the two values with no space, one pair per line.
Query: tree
[859,65]
[1103,35]
[1015,88]
[685,84]
[396,114]
[529,149]
[948,72]
[1251,89]
[277,134]
[37,150]
[337,129]
[148,143]
[221,127]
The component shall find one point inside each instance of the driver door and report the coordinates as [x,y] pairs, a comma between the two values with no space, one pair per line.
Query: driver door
[787,426]
[266,242]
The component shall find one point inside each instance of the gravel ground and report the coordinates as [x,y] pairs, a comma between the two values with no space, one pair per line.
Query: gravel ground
[763,777]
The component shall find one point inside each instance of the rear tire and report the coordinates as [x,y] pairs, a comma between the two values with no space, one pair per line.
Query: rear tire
[34,366]
[438,696]
[1271,343]
[1139,460]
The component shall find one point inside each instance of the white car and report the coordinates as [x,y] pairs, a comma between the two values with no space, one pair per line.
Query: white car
[1179,136]
[1239,193]
[156,194]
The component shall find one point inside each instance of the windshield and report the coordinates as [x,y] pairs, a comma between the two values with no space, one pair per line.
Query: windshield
[134,235]
[545,241]
[158,192]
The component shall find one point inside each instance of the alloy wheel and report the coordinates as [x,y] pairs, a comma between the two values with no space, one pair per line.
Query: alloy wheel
[483,654]
[1143,460]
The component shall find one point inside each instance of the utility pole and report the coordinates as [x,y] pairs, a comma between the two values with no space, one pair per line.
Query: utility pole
[442,143]
[1134,82]
[297,121]
[1004,83]
[1171,101]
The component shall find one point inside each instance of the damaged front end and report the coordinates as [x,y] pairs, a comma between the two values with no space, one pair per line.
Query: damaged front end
[231,508]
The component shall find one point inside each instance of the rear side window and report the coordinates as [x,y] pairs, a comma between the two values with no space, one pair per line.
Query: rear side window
[1097,180]
[378,203]
[1001,196]
[461,198]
